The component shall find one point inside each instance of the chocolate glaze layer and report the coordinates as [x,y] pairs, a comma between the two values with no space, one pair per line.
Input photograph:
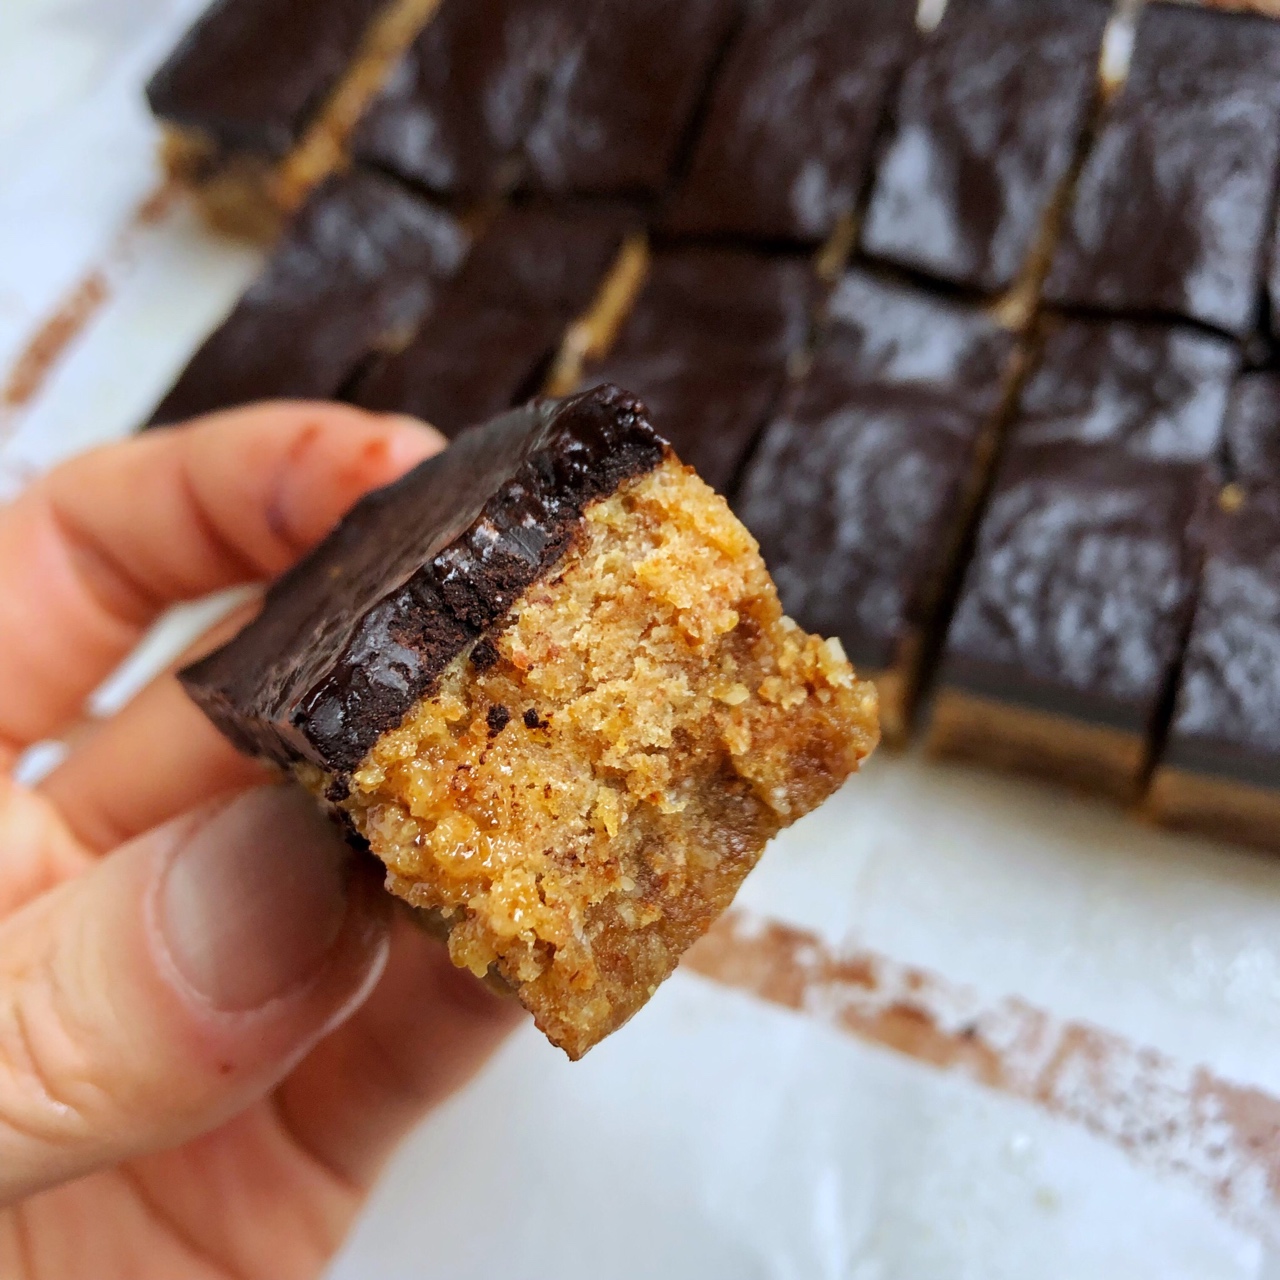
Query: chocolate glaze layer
[707,345]
[357,270]
[1253,429]
[499,322]
[1155,391]
[362,627]
[619,103]
[1171,212]
[1227,717]
[988,117]
[858,490]
[454,113]
[1079,590]
[787,142]
[251,74]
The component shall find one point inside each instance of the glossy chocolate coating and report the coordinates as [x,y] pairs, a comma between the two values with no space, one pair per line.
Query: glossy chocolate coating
[454,113]
[857,492]
[706,345]
[357,270]
[500,321]
[1253,429]
[1171,211]
[361,628]
[1080,587]
[619,103]
[251,74]
[787,142]
[1155,391]
[988,117]
[1227,717]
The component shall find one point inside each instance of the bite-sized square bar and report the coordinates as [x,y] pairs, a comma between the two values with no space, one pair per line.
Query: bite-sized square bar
[707,344]
[861,490]
[251,74]
[1069,626]
[1220,771]
[547,679]
[620,102]
[988,118]
[355,273]
[500,321]
[455,111]
[1155,391]
[1253,429]
[786,146]
[1172,209]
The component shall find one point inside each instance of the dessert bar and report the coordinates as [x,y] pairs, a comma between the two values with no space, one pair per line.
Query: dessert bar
[546,678]
[498,324]
[707,346]
[786,147]
[988,118]
[355,273]
[1220,771]
[1172,210]
[862,489]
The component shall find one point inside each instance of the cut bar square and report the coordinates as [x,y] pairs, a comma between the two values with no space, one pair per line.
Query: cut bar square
[1220,770]
[356,272]
[862,488]
[547,680]
[989,116]
[1171,212]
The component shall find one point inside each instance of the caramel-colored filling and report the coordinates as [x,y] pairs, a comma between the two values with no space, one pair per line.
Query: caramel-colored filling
[581,806]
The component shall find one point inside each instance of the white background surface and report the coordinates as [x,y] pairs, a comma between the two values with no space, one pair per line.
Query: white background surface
[719,1135]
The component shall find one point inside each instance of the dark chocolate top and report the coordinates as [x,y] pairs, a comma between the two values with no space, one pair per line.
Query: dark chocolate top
[356,271]
[499,322]
[1156,391]
[1171,212]
[706,345]
[988,117]
[455,112]
[1253,429]
[362,627]
[858,490]
[787,142]
[253,73]
[1079,589]
[1227,717]
[619,103]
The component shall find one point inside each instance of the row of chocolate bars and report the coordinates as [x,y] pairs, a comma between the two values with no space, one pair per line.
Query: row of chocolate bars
[971,332]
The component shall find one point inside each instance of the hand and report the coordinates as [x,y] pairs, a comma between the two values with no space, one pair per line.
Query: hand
[213,1028]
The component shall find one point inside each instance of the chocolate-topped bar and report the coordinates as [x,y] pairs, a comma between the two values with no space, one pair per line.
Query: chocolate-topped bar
[707,345]
[545,677]
[1253,429]
[786,146]
[499,322]
[1069,626]
[618,105]
[988,117]
[355,272]
[251,74]
[1220,769]
[1171,212]
[862,488]
[1155,391]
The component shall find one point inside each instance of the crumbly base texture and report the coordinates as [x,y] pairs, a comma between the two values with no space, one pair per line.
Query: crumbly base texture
[1091,757]
[1220,808]
[585,790]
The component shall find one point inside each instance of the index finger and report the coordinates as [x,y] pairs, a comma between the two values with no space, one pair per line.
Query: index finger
[93,552]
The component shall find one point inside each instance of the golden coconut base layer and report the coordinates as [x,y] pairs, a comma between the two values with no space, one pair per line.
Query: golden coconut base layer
[584,793]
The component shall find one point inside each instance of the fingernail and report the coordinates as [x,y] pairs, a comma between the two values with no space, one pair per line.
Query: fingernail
[414,439]
[253,901]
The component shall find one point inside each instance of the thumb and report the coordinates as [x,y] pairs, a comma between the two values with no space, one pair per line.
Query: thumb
[175,983]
